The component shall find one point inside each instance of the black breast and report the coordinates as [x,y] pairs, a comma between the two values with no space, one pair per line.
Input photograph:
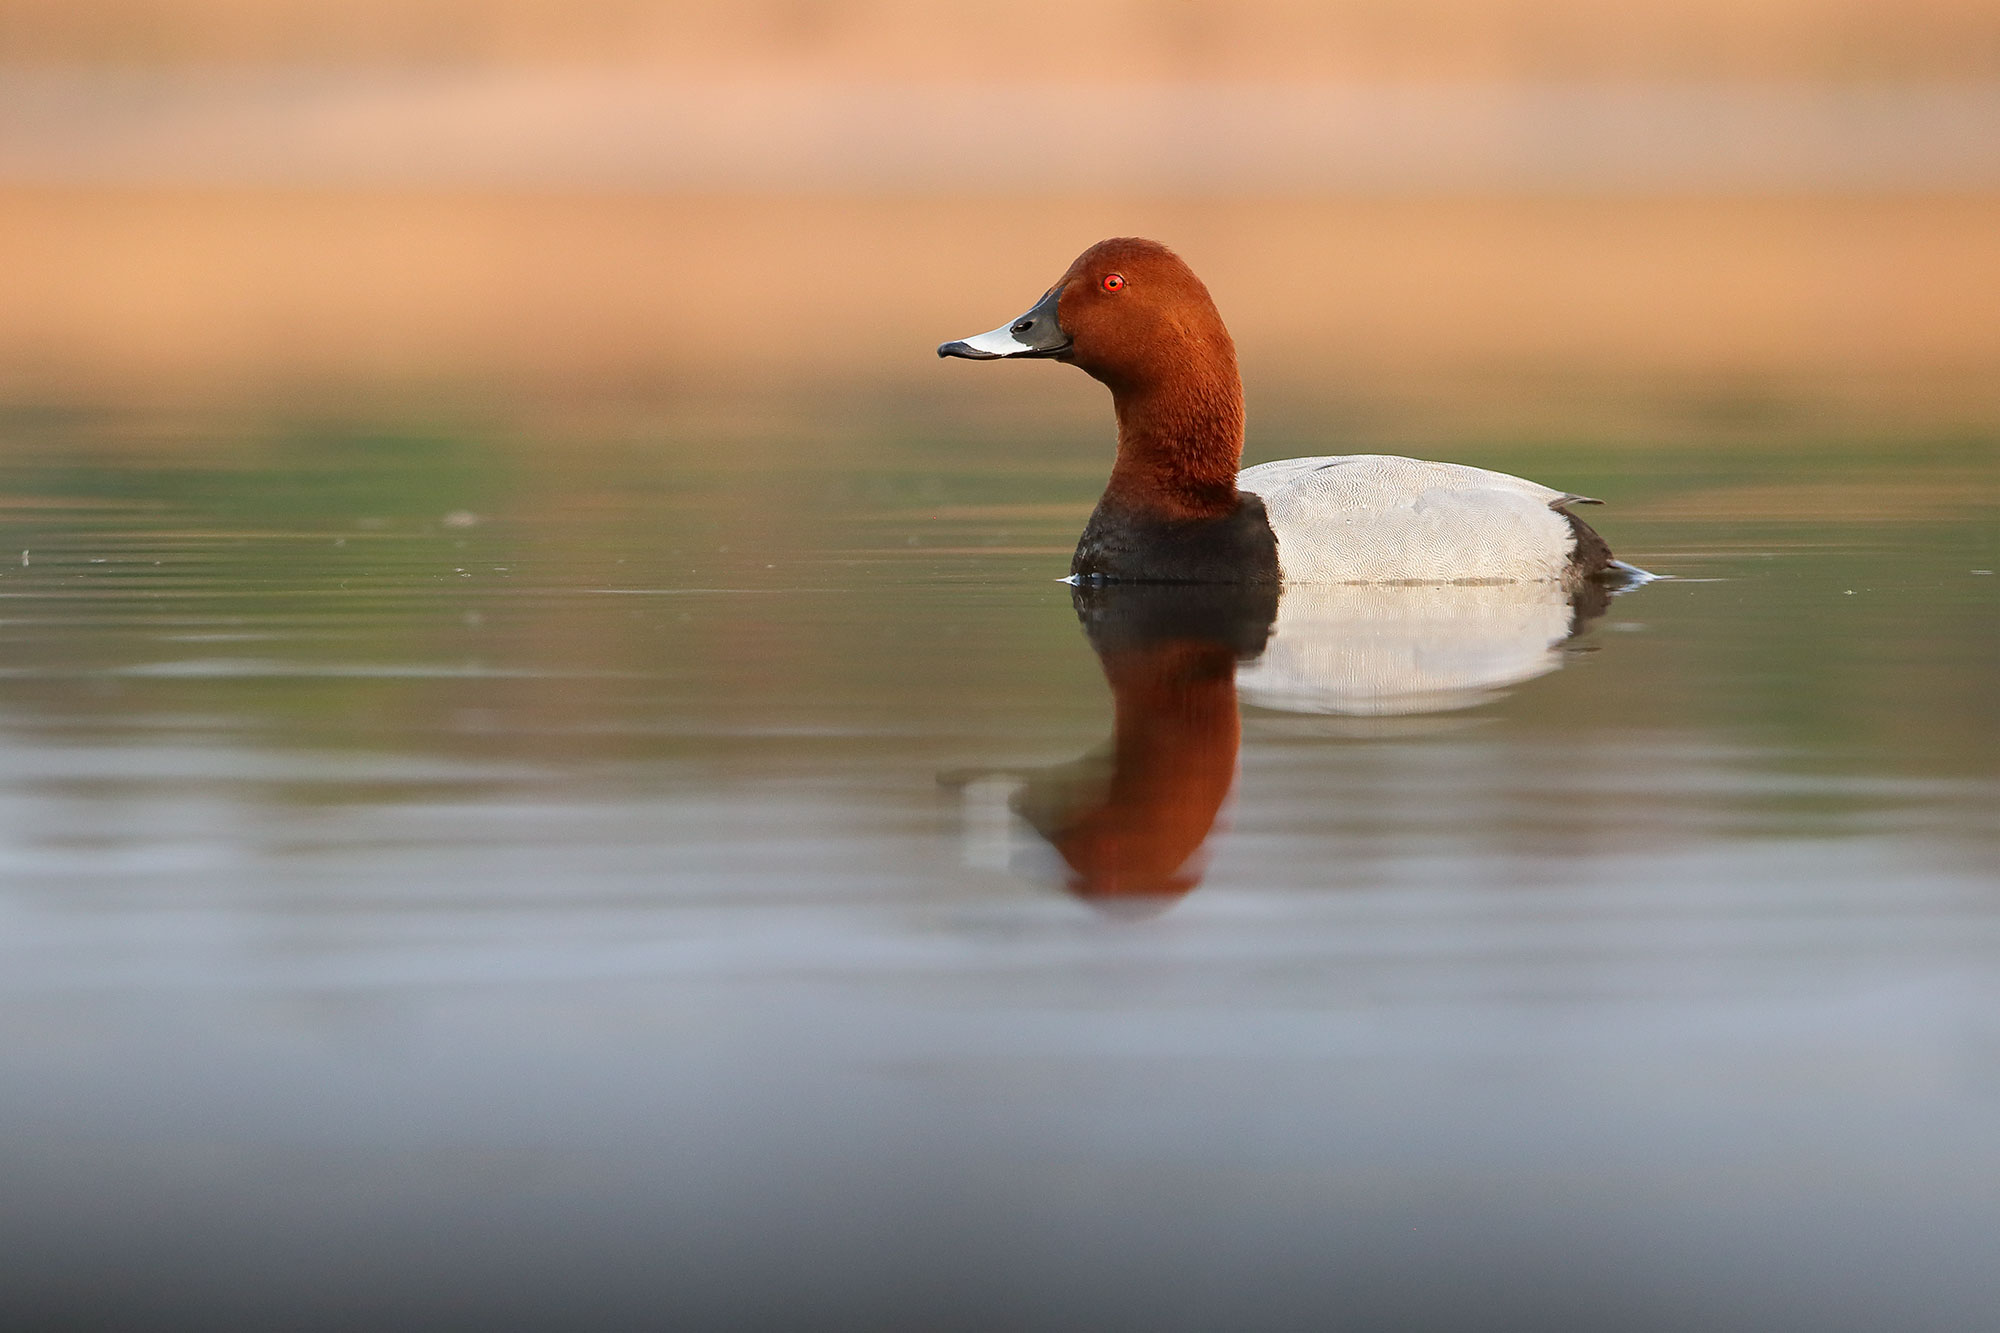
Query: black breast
[1122,545]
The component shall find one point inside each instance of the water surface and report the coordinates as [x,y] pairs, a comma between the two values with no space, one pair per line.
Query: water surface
[472,875]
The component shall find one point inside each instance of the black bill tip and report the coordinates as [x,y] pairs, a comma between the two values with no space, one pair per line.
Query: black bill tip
[966,350]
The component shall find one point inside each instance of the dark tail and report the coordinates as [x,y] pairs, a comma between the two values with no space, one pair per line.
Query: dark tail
[1592,556]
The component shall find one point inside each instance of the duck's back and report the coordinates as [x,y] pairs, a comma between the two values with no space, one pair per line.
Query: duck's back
[1376,518]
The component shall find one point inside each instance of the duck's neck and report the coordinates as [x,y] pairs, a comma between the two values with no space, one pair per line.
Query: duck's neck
[1180,439]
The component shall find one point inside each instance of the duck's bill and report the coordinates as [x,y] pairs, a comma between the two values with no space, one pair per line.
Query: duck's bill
[1033,334]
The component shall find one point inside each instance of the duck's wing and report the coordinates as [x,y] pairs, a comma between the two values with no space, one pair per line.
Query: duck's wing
[1392,475]
[1382,518]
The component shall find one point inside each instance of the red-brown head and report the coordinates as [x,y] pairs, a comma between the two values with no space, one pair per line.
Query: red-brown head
[1129,312]
[1134,316]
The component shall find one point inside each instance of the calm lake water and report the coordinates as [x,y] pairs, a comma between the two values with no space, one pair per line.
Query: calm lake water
[681,876]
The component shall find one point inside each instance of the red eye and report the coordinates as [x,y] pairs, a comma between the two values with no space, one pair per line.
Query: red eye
[1113,281]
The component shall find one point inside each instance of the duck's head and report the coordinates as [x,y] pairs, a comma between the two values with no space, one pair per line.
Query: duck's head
[1128,311]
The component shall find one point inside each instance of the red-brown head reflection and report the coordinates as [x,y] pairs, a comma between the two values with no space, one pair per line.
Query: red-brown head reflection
[1131,821]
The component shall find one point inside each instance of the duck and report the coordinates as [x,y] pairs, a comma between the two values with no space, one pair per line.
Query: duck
[1179,507]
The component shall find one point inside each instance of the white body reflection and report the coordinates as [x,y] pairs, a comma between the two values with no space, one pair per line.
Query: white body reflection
[1377,650]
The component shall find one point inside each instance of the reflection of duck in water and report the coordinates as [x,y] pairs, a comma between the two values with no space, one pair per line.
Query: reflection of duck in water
[1131,819]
